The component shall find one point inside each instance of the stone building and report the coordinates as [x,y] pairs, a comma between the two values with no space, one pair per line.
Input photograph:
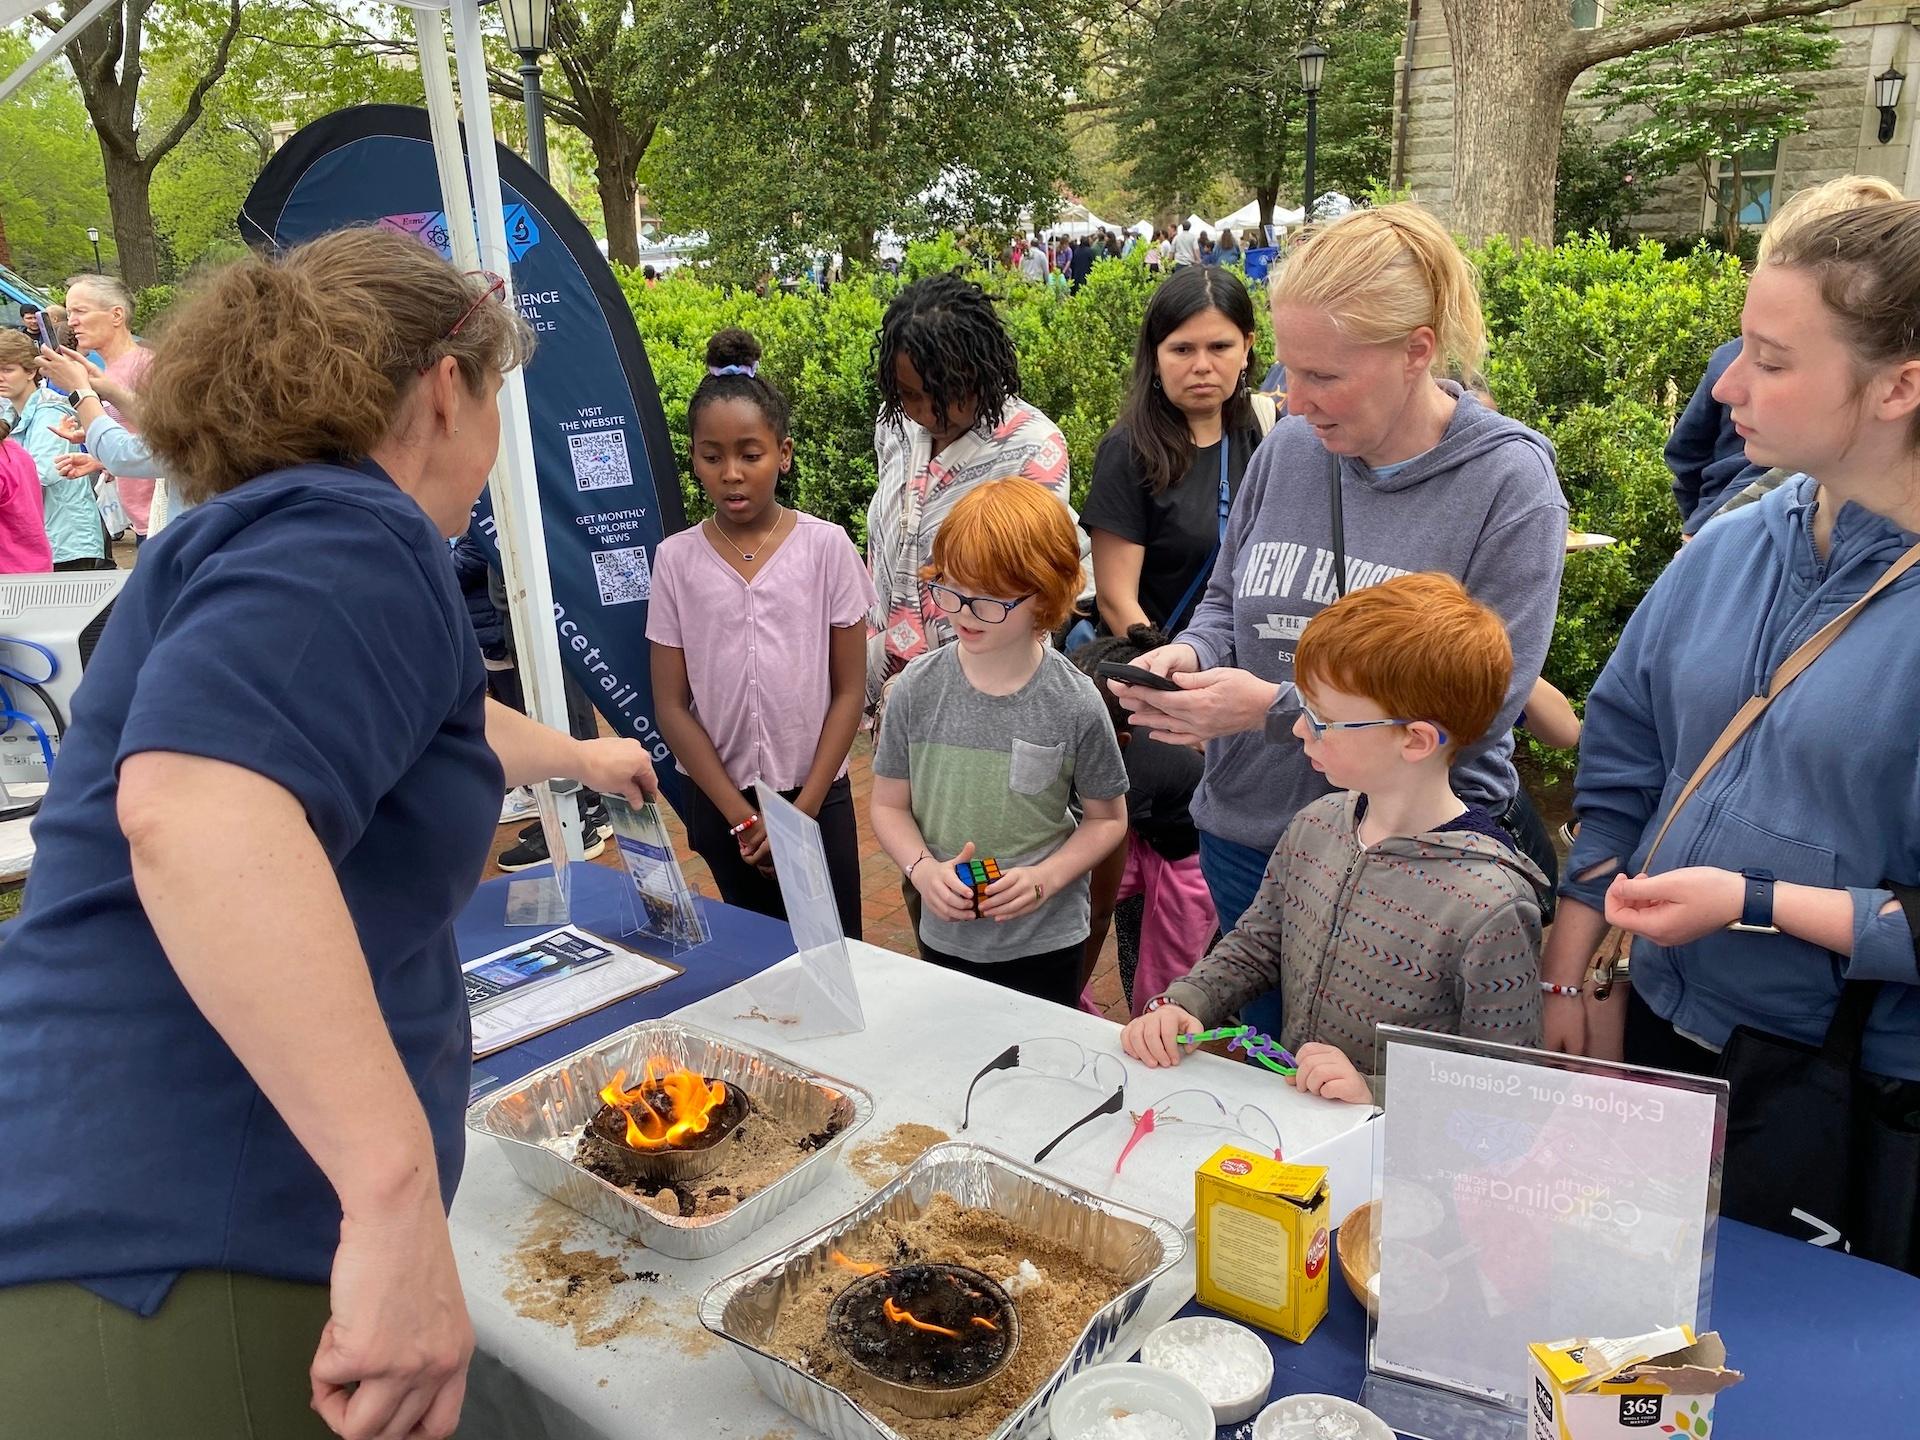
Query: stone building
[1843,137]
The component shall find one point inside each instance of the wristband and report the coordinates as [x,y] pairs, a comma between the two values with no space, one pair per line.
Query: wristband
[1154,1004]
[744,826]
[907,874]
[1553,989]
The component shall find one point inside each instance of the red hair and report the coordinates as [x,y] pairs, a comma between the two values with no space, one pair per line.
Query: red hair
[1418,646]
[1012,537]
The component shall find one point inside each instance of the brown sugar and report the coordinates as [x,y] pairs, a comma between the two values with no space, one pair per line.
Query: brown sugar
[553,1278]
[1052,1313]
[885,1156]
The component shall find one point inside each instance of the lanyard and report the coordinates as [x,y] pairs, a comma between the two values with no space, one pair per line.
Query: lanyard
[1206,566]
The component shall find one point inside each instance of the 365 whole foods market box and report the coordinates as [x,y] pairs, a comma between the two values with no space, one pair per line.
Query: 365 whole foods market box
[1660,1384]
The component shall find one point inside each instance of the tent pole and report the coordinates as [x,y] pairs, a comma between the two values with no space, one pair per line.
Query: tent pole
[514,486]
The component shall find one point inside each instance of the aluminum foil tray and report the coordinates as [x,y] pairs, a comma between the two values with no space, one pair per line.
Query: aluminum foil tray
[533,1119]
[1138,1246]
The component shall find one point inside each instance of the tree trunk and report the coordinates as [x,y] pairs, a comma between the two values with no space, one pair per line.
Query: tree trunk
[1514,62]
[619,190]
[130,201]
[1267,196]
[1511,75]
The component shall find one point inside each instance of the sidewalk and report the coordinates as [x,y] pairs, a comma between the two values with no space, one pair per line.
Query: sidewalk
[883,906]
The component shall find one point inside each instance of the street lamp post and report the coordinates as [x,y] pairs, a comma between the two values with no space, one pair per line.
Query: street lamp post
[526,24]
[1313,62]
[93,234]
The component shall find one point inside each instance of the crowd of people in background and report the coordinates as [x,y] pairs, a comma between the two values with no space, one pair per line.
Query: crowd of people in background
[70,378]
[1064,261]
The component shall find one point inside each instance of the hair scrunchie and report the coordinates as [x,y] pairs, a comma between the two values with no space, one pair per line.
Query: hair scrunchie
[750,371]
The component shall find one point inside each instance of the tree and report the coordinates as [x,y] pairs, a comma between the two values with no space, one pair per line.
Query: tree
[51,185]
[1211,87]
[1593,185]
[619,66]
[294,61]
[1514,64]
[109,62]
[813,125]
[1716,99]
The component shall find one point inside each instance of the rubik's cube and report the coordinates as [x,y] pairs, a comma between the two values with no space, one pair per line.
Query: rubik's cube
[978,874]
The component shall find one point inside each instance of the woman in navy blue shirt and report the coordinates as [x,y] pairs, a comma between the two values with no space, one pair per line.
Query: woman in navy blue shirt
[234,1048]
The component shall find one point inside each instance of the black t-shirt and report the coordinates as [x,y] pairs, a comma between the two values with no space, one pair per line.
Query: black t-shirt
[1179,527]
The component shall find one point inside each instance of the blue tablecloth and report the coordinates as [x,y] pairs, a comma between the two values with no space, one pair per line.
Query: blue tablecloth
[1826,1341]
[740,944]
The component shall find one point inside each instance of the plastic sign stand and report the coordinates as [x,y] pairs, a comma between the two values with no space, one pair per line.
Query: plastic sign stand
[662,916]
[1526,1196]
[815,996]
[544,897]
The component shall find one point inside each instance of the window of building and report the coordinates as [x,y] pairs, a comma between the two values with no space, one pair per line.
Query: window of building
[1586,14]
[1757,170]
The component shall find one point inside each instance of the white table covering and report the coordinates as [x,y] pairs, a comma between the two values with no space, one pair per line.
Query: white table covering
[928,1030]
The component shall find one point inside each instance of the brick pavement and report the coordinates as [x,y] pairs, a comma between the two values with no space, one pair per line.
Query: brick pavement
[883,907]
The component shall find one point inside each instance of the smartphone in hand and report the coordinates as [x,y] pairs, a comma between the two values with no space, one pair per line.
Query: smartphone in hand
[1134,675]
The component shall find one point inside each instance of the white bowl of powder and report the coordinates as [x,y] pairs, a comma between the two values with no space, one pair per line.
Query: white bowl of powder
[1129,1402]
[1229,1364]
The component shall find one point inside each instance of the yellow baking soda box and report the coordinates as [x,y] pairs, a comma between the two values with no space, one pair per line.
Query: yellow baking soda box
[1652,1385]
[1263,1241]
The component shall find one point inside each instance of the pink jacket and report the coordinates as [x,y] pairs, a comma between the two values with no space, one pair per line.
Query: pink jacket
[24,548]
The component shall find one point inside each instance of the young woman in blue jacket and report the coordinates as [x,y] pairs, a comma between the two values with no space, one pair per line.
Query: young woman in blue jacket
[1812,822]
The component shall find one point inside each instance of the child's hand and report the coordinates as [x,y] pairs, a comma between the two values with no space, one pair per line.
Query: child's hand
[1153,1039]
[1017,892]
[940,889]
[1328,1073]
[756,845]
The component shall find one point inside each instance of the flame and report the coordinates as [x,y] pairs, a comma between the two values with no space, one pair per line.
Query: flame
[689,1101]
[857,1266]
[895,1313]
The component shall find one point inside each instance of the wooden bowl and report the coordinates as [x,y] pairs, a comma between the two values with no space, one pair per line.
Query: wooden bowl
[1358,1244]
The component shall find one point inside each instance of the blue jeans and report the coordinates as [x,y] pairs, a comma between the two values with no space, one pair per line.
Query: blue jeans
[1233,873]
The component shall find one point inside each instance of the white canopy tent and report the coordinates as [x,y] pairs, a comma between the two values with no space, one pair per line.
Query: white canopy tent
[514,488]
[1075,220]
[1248,217]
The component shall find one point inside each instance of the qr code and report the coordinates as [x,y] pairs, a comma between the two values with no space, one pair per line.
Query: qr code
[600,460]
[624,575]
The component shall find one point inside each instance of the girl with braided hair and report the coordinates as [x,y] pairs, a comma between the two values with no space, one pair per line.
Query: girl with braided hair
[950,417]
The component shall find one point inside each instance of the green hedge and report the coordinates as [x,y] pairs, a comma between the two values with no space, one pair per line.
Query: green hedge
[1595,346]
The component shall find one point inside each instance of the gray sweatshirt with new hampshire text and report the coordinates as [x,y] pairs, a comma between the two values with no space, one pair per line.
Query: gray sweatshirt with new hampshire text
[1483,505]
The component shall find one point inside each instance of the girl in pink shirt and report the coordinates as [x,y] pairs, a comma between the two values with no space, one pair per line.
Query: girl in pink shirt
[24,547]
[757,624]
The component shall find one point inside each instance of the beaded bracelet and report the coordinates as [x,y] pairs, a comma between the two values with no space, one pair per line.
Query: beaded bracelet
[745,825]
[1553,989]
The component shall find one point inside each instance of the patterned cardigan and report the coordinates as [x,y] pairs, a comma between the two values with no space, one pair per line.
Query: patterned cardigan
[1438,931]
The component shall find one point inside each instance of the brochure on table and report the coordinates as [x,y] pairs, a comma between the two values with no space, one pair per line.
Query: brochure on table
[527,989]
[817,995]
[662,915]
[1527,1197]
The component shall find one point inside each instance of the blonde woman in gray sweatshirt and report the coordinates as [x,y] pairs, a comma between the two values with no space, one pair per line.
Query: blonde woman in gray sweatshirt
[1390,901]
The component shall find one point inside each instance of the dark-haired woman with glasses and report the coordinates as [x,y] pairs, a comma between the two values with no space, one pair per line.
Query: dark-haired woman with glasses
[234,1042]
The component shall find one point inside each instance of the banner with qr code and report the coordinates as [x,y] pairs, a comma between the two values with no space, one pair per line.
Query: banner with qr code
[609,489]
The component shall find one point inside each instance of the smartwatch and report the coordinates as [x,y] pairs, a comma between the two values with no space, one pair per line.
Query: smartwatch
[1756,915]
[79,397]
